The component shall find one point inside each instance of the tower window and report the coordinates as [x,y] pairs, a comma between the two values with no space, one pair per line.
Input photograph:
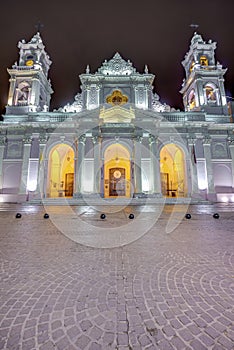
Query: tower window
[192,66]
[191,100]
[210,91]
[203,61]
[23,90]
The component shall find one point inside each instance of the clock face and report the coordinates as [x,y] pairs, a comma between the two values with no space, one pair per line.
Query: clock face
[117,174]
[29,63]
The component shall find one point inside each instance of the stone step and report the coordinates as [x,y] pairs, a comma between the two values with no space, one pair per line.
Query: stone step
[121,201]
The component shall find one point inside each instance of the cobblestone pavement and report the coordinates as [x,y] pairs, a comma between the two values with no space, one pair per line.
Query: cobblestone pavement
[164,291]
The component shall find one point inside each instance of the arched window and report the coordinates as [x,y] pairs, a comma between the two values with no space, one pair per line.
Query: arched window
[23,93]
[61,171]
[191,100]
[211,94]
[172,170]
[203,61]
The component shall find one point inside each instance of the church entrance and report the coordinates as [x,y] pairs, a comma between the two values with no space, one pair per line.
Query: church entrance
[117,172]
[117,185]
[172,168]
[61,172]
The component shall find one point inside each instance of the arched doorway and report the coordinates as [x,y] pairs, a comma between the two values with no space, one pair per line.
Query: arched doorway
[61,171]
[117,174]
[172,169]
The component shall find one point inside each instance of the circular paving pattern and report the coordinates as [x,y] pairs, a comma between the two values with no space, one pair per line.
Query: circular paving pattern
[164,291]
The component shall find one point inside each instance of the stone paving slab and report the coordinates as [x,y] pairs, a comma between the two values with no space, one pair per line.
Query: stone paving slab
[164,291]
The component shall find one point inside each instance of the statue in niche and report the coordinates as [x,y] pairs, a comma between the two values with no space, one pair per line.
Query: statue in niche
[23,91]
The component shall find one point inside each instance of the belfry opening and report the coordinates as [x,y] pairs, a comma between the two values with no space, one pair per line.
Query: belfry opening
[172,169]
[61,172]
[117,172]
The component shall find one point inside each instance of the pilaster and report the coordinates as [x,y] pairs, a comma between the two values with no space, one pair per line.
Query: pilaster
[24,171]
[155,166]
[193,174]
[209,168]
[2,146]
[137,165]
[79,165]
[42,169]
[96,164]
[231,148]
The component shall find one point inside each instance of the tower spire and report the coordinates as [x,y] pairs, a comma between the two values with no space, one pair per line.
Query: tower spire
[30,88]
[203,88]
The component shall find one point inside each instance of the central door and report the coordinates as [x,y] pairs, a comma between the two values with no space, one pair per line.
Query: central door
[117,183]
[69,180]
[117,171]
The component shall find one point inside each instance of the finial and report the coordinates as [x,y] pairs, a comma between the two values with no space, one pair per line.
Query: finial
[87,69]
[194,26]
[146,69]
[39,26]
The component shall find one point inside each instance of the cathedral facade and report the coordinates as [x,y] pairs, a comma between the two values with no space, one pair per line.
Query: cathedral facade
[116,140]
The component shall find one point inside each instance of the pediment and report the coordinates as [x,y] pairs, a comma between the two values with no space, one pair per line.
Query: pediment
[117,114]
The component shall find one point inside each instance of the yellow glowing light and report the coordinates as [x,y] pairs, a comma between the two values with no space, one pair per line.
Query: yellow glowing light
[29,63]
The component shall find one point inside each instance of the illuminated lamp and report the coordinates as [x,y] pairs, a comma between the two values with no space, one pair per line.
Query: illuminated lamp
[102,216]
[131,216]
[46,216]
[18,216]
[188,216]
[32,185]
[216,216]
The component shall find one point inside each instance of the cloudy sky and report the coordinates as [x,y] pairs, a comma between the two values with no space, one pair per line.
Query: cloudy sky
[152,32]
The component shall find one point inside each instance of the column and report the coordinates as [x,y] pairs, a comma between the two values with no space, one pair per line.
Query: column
[79,165]
[96,164]
[42,177]
[231,147]
[209,168]
[155,166]
[2,147]
[137,165]
[25,163]
[193,168]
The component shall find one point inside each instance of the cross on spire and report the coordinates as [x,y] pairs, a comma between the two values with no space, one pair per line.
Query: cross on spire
[39,26]
[194,25]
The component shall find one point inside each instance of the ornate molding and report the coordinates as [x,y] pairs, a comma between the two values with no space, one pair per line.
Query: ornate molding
[117,66]
[76,106]
[191,140]
[138,139]
[3,141]
[207,140]
[230,141]
[82,139]
[153,140]
[158,106]
[43,139]
[27,140]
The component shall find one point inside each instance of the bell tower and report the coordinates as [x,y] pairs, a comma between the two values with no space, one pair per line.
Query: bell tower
[30,89]
[203,87]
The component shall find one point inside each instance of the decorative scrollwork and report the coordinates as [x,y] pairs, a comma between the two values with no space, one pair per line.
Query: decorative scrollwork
[116,66]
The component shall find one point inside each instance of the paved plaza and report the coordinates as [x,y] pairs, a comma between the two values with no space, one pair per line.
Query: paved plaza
[172,288]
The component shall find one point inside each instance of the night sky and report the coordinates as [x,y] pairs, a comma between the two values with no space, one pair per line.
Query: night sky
[152,32]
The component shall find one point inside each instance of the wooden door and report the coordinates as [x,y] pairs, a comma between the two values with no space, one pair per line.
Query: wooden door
[117,183]
[69,180]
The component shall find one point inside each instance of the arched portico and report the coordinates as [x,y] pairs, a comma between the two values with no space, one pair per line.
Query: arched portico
[117,171]
[60,179]
[173,171]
